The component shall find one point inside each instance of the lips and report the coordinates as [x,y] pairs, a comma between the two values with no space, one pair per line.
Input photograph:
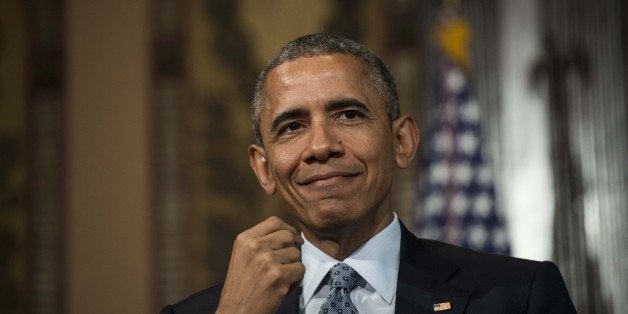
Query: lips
[326,176]
[314,176]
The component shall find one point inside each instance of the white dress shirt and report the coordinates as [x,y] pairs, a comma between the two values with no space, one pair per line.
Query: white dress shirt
[377,262]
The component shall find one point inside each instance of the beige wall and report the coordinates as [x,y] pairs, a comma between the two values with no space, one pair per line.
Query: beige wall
[108,263]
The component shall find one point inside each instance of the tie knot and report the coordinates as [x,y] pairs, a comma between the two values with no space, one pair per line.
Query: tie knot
[343,276]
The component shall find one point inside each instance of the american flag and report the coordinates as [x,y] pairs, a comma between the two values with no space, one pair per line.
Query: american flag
[457,197]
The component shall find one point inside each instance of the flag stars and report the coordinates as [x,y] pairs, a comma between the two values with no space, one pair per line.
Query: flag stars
[482,205]
[485,176]
[500,239]
[468,143]
[459,204]
[450,112]
[431,232]
[444,142]
[439,173]
[455,80]
[433,204]
[463,173]
[477,236]
[470,112]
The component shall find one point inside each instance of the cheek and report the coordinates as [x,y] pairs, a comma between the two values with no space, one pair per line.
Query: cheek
[284,162]
[381,157]
[375,147]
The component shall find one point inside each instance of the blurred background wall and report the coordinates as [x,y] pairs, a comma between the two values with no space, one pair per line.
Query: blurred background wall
[124,127]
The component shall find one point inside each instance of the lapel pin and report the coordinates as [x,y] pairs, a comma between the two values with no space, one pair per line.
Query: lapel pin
[442,306]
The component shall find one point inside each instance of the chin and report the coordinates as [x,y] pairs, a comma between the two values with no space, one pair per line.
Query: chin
[333,220]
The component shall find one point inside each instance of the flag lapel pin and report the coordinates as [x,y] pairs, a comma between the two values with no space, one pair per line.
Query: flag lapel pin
[442,306]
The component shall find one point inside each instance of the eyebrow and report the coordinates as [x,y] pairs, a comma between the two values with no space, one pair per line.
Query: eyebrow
[343,103]
[287,115]
[332,105]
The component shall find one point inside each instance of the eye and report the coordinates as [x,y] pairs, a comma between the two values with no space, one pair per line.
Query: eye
[290,127]
[350,115]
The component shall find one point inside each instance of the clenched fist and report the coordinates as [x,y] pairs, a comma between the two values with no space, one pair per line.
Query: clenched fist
[265,265]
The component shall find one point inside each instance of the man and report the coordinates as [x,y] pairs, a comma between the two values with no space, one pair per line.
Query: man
[330,135]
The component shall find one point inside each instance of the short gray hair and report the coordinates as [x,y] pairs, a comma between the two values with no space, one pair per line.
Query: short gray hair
[326,44]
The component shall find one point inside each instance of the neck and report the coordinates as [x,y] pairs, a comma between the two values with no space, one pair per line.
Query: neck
[341,242]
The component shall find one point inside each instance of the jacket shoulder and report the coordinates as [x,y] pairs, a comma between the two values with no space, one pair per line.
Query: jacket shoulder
[478,270]
[204,301]
[495,282]
[472,266]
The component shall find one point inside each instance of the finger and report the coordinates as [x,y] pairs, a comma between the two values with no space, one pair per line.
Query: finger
[287,255]
[280,239]
[269,226]
[294,272]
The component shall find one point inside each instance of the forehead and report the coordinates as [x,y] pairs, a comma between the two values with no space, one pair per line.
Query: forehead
[315,68]
[317,79]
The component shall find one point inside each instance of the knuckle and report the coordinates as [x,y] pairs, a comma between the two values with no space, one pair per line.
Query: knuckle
[283,289]
[294,253]
[241,238]
[265,258]
[253,245]
[275,274]
[274,220]
[287,234]
[284,237]
[300,269]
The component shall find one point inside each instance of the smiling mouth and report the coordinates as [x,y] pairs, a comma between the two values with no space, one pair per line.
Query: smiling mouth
[328,176]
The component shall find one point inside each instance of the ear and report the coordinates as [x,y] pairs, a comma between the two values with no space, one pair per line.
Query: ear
[259,164]
[406,140]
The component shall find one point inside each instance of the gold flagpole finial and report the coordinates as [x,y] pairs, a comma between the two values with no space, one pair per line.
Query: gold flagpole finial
[453,34]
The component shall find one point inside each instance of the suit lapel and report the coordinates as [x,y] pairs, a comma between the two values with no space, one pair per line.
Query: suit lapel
[290,303]
[422,280]
[421,284]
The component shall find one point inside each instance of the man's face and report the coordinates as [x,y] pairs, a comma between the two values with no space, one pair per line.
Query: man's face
[328,145]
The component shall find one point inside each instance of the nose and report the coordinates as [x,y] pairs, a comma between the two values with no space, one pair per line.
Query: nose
[324,144]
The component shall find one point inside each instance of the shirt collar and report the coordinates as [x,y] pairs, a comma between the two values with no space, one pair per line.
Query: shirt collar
[377,261]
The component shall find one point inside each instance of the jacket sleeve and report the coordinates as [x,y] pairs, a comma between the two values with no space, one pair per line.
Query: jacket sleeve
[202,302]
[548,292]
[167,310]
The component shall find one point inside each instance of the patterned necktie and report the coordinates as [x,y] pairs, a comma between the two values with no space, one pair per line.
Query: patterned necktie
[343,279]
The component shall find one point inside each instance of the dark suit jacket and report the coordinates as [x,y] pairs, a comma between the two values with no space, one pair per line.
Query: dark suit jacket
[432,272]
